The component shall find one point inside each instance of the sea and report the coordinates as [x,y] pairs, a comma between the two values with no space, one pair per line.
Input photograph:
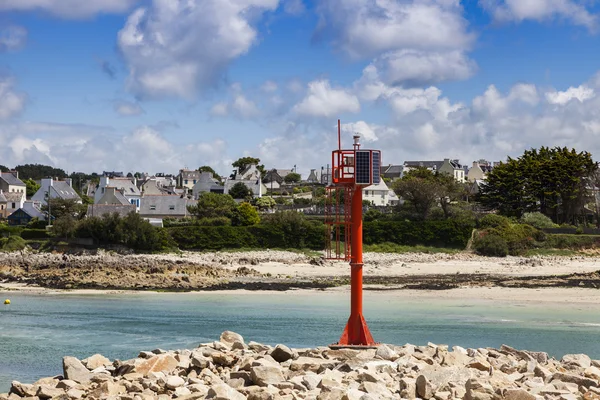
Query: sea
[37,330]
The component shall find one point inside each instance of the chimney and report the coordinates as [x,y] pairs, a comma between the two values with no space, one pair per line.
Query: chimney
[15,173]
[475,164]
[69,181]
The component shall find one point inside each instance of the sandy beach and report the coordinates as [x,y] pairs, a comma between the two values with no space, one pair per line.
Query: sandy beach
[572,280]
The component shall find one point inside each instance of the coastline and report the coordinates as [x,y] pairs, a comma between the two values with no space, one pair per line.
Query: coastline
[460,275]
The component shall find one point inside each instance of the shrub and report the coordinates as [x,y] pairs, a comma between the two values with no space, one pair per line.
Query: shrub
[12,243]
[493,221]
[442,233]
[491,245]
[538,220]
[245,215]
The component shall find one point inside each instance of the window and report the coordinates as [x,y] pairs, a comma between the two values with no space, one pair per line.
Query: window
[152,208]
[13,205]
[194,181]
[171,207]
[186,181]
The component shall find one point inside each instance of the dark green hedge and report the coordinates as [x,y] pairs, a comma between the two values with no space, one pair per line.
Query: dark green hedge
[310,236]
[439,233]
[35,234]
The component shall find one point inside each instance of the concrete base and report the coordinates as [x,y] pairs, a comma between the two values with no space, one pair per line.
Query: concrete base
[336,346]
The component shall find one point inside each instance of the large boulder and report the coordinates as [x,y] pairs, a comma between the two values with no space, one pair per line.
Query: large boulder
[231,337]
[282,353]
[386,353]
[74,370]
[478,390]
[578,360]
[96,361]
[159,363]
[224,392]
[266,375]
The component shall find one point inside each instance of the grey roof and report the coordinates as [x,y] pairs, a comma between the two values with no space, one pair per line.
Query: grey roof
[63,190]
[253,185]
[126,185]
[98,210]
[426,164]
[189,174]
[14,197]
[174,205]
[393,169]
[113,196]
[10,179]
[32,210]
[91,189]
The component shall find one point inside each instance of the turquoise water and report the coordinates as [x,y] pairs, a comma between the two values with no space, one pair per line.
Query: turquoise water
[36,331]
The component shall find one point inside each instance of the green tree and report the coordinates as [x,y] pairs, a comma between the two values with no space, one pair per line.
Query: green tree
[240,191]
[244,162]
[265,203]
[64,227]
[213,205]
[60,207]
[420,188]
[292,177]
[246,215]
[39,171]
[206,168]
[553,181]
[3,168]
[31,187]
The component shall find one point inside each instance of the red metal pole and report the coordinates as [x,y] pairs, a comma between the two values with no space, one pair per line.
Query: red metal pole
[339,135]
[357,332]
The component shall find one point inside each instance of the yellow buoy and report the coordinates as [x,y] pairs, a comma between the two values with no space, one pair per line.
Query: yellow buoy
[7,301]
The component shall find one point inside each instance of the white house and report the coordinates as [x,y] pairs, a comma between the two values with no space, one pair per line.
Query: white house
[454,169]
[55,189]
[380,195]
[126,186]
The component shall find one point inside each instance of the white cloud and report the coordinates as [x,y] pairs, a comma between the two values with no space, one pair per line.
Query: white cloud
[244,107]
[11,102]
[324,101]
[128,109]
[12,38]
[166,45]
[366,131]
[581,93]
[540,10]
[69,8]
[220,109]
[412,42]
[417,67]
[294,7]
[368,28]
[269,87]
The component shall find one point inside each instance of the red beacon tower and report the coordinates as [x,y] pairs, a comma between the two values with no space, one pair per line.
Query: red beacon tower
[352,170]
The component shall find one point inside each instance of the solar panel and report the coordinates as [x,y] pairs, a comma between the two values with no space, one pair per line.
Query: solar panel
[362,175]
[376,167]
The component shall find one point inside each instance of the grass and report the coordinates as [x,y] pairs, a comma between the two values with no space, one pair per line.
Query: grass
[398,248]
[552,252]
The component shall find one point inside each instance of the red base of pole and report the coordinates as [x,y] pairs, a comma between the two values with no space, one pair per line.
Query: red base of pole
[356,333]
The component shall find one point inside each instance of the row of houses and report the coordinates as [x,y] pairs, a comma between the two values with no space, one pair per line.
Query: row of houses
[462,173]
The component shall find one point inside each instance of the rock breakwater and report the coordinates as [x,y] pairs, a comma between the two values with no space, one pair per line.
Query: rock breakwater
[230,368]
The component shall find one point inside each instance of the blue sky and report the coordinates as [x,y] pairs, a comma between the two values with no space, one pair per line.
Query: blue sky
[157,85]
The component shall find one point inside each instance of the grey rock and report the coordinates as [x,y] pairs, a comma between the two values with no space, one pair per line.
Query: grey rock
[47,392]
[424,388]
[282,353]
[74,370]
[265,375]
[518,394]
[386,353]
[224,392]
[96,361]
[579,380]
[173,382]
[231,337]
[579,360]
